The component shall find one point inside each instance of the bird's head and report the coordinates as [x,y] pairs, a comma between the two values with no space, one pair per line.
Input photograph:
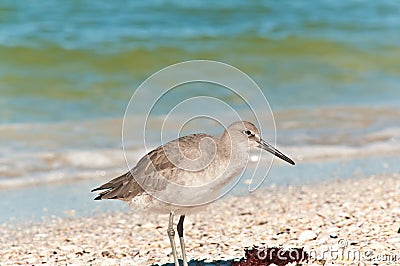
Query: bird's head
[246,134]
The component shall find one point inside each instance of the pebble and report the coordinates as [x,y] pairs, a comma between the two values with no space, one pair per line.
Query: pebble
[333,235]
[307,235]
[394,240]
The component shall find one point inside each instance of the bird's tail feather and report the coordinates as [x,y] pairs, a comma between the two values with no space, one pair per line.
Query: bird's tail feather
[118,188]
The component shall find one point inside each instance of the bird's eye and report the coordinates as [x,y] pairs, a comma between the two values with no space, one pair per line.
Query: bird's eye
[247,132]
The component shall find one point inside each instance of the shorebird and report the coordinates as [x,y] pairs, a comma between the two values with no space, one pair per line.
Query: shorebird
[183,175]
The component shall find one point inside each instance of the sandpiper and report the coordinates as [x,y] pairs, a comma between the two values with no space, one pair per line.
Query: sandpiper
[183,175]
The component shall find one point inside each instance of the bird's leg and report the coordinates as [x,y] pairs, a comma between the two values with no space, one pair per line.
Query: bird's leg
[171,235]
[180,233]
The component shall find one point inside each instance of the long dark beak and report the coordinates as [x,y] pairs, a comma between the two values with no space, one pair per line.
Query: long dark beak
[265,146]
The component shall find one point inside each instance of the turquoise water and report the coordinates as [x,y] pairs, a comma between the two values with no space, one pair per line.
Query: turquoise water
[330,70]
[69,60]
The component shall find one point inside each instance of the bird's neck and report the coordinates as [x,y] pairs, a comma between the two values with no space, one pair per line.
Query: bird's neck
[237,151]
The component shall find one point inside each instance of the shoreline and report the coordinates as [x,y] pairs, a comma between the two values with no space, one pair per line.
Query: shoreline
[73,199]
[379,154]
[364,213]
[55,153]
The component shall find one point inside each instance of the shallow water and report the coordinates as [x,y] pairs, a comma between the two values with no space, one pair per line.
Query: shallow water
[74,60]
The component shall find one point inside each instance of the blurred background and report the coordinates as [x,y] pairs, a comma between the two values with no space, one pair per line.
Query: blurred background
[330,70]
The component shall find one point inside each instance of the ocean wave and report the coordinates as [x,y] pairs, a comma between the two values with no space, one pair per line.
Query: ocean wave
[40,153]
[50,82]
[28,169]
[46,168]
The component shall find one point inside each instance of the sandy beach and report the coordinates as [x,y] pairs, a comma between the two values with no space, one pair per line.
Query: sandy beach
[354,219]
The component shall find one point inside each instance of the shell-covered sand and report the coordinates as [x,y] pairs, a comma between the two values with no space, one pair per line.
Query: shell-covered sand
[340,222]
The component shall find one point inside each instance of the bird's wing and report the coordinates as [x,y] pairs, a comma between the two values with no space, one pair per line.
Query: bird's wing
[155,170]
[169,162]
